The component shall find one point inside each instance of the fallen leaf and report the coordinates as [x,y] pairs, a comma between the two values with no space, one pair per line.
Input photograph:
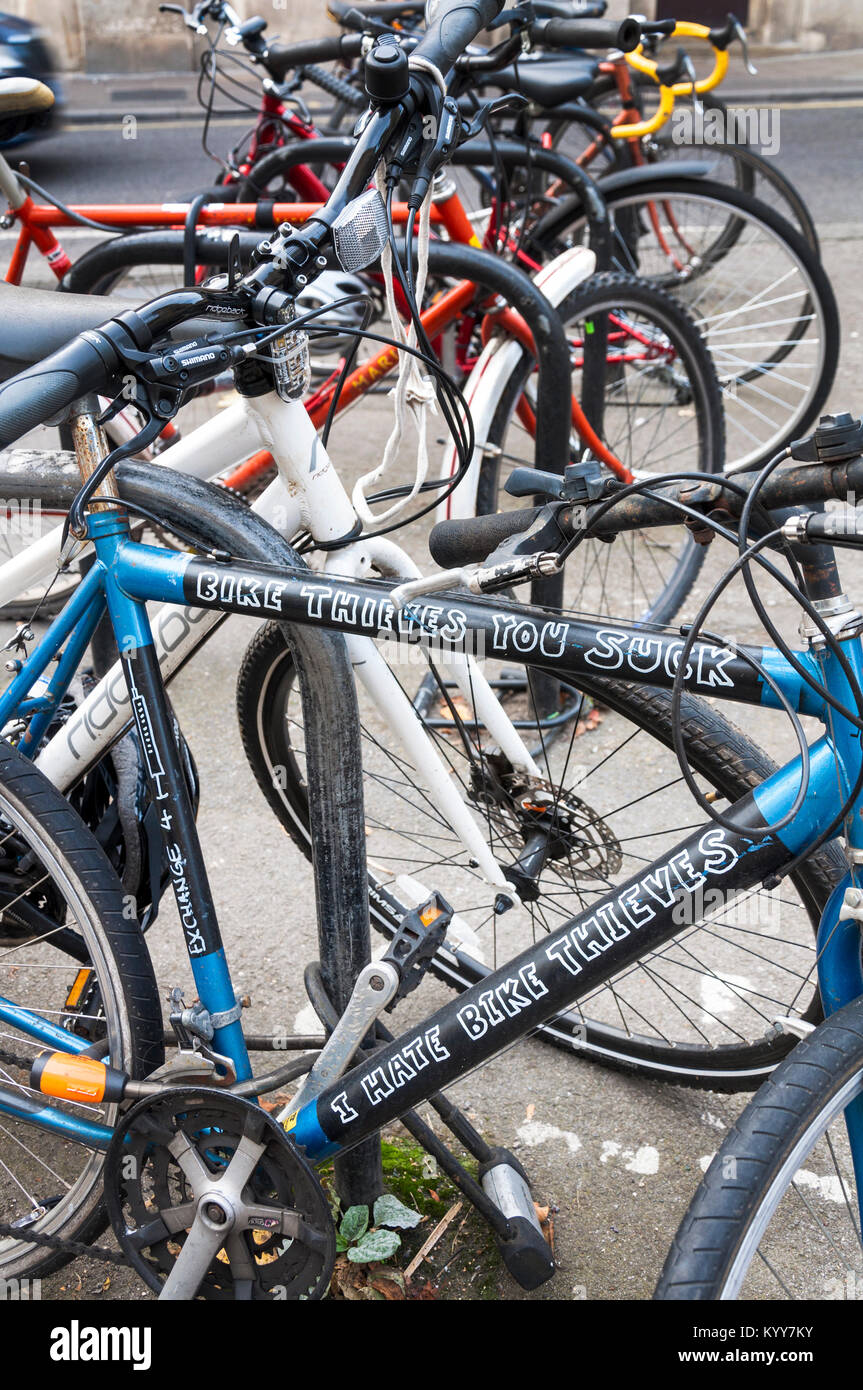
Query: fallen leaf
[390,1285]
[545,1217]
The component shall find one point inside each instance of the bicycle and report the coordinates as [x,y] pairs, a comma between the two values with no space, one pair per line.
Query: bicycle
[647,330]
[508,1002]
[768,830]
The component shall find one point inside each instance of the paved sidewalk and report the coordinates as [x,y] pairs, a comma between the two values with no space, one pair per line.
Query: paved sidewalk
[105,98]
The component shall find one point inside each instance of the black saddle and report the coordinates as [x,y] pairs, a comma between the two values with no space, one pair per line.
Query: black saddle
[35,323]
[549,82]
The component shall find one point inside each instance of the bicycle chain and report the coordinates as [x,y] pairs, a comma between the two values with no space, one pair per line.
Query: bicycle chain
[74,1247]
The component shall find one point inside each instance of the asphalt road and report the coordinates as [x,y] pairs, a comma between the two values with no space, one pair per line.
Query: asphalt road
[617,1156]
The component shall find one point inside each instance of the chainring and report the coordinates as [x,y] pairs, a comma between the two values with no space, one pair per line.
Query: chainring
[169,1166]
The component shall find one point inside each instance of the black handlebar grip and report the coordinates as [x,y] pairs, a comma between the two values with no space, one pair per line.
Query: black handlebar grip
[336,87]
[284,57]
[453,27]
[44,390]
[623,34]
[471,540]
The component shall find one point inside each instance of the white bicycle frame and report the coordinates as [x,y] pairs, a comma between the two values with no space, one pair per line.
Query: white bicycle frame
[309,494]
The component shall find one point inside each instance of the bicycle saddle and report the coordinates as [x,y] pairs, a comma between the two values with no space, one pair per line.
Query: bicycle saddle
[24,96]
[550,82]
[38,322]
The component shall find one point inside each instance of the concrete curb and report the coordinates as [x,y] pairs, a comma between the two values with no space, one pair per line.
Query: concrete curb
[791,95]
[102,116]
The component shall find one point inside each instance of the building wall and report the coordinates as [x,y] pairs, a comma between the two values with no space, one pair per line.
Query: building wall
[132,36]
[126,36]
[811,24]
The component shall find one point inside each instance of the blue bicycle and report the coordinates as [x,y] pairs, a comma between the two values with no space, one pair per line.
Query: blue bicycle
[207,1194]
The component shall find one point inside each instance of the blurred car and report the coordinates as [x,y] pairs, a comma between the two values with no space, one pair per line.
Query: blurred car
[24,52]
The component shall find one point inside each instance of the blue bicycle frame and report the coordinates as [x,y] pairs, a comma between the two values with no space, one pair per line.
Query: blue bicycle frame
[625,924]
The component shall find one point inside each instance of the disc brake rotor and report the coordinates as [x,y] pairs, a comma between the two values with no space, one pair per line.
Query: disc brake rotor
[189,1171]
[579,841]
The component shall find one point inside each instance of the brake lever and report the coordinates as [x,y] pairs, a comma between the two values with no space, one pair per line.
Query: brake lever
[740,33]
[190,20]
[688,68]
[285,93]
[512,101]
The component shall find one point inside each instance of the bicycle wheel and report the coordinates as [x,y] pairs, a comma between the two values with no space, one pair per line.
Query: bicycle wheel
[662,411]
[758,294]
[700,1011]
[777,1213]
[71,953]
[25,524]
[723,137]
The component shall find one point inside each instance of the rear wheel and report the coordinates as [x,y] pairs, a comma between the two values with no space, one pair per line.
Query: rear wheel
[701,1010]
[662,411]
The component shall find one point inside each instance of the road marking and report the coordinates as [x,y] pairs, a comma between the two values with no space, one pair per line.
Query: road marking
[644,1159]
[535,1132]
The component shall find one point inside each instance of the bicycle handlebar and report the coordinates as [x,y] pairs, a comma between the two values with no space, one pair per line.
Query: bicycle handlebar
[92,360]
[472,540]
[604,34]
[684,29]
[453,26]
[49,387]
[281,58]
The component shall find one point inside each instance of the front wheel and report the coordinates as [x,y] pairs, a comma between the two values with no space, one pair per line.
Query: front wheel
[777,1215]
[661,411]
[755,288]
[72,955]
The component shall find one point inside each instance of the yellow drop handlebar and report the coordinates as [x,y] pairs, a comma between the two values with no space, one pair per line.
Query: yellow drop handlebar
[685,29]
[659,117]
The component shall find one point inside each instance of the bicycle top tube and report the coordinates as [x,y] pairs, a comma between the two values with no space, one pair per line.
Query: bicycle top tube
[566,646]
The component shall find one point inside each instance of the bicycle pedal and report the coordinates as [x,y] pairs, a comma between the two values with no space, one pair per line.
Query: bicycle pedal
[526,1253]
[421,932]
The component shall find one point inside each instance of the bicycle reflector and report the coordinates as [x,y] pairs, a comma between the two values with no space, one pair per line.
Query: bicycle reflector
[82,1079]
[360,231]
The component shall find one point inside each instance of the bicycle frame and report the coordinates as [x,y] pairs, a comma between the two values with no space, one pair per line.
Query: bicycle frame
[544,979]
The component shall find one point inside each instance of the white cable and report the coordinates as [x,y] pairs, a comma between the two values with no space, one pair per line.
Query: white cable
[413,393]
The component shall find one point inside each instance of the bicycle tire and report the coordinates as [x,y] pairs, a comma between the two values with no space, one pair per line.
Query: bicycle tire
[717,750]
[112,942]
[789,256]
[703,447]
[760,1161]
